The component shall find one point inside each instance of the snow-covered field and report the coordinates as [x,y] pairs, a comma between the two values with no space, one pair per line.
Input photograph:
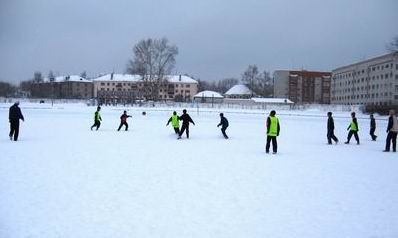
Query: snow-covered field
[63,180]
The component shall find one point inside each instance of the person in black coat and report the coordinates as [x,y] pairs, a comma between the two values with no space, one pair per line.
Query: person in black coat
[372,127]
[330,134]
[224,125]
[14,116]
[392,130]
[186,119]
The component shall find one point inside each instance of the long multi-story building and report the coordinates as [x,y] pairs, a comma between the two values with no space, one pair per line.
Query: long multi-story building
[302,87]
[65,87]
[369,82]
[127,88]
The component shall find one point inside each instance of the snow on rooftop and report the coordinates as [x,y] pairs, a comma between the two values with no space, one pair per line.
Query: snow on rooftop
[136,78]
[272,100]
[119,77]
[180,79]
[239,89]
[70,78]
[208,94]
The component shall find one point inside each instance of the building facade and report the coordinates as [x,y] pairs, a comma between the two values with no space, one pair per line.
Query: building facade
[63,87]
[127,88]
[303,87]
[370,82]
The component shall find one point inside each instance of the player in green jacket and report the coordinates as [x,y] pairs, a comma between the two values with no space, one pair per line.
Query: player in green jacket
[175,122]
[273,129]
[97,119]
[353,129]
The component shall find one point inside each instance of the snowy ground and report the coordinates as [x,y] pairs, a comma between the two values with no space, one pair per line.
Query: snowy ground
[63,180]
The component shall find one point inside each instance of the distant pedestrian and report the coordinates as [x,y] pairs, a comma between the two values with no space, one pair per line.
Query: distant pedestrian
[372,127]
[186,119]
[97,119]
[123,121]
[224,125]
[330,127]
[392,130]
[273,129]
[175,122]
[353,129]
[14,116]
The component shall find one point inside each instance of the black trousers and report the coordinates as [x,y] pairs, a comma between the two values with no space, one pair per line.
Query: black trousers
[177,130]
[184,128]
[355,133]
[391,136]
[96,124]
[372,133]
[223,132]
[274,144]
[331,137]
[14,129]
[125,124]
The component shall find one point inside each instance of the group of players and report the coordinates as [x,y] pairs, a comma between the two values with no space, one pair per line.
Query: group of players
[272,125]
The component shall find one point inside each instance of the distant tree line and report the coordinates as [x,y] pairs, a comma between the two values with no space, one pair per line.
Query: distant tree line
[259,82]
[7,89]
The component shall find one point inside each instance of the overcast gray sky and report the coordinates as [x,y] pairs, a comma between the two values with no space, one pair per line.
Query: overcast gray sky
[216,38]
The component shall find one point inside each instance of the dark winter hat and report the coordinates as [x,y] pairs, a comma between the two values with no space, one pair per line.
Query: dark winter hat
[352,113]
[221,114]
[272,112]
[184,111]
[174,113]
[98,108]
[329,113]
[125,111]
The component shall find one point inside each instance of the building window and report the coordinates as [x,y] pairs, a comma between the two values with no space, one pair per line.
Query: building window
[188,86]
[102,84]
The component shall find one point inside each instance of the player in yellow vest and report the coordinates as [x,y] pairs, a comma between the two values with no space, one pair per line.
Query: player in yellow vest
[97,119]
[273,129]
[353,129]
[175,122]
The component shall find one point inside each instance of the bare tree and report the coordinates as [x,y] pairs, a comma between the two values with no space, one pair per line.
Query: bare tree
[225,84]
[393,45]
[264,84]
[51,76]
[83,74]
[37,77]
[250,76]
[153,60]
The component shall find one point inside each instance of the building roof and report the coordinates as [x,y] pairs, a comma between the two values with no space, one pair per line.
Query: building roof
[69,78]
[272,100]
[180,79]
[367,61]
[208,94]
[239,89]
[119,78]
[137,78]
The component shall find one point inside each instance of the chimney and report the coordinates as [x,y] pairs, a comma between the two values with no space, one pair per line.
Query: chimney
[111,76]
[179,79]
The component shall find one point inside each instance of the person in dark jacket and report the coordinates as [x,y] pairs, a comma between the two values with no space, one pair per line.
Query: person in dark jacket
[123,121]
[273,130]
[392,130]
[175,122]
[353,129]
[14,116]
[97,119]
[372,127]
[330,134]
[186,119]
[224,125]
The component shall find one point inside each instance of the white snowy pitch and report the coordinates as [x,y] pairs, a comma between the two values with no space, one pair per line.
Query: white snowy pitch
[63,180]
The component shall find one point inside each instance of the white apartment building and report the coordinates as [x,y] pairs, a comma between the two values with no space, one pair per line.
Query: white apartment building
[370,82]
[111,88]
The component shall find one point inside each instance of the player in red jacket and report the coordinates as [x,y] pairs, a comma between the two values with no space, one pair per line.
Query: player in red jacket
[123,121]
